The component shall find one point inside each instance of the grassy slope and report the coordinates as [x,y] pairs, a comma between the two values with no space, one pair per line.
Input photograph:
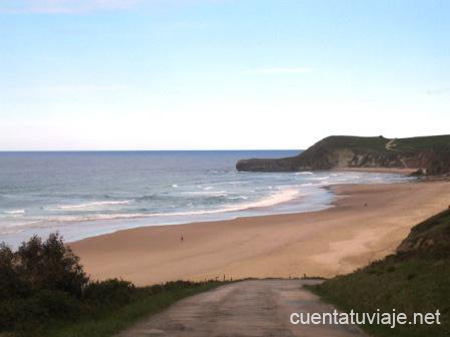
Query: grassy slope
[417,280]
[317,157]
[378,144]
[111,321]
[422,143]
[363,144]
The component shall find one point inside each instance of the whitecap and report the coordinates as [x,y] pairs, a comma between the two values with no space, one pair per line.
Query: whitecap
[15,212]
[282,196]
[239,197]
[321,178]
[207,193]
[93,204]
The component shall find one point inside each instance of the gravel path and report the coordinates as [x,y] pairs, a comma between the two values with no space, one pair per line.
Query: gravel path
[254,308]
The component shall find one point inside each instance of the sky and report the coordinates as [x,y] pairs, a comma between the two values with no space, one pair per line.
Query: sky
[220,74]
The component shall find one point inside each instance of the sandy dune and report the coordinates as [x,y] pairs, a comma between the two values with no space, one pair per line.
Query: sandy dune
[245,309]
[366,223]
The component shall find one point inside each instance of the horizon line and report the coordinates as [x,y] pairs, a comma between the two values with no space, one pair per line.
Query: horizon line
[155,150]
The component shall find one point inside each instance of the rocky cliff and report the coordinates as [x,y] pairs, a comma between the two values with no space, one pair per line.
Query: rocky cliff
[433,233]
[431,154]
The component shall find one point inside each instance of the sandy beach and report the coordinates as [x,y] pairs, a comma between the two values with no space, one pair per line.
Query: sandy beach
[365,223]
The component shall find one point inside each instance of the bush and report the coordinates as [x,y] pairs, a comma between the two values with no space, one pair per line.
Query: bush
[10,281]
[39,309]
[43,288]
[112,291]
[8,314]
[50,265]
[47,305]
[39,282]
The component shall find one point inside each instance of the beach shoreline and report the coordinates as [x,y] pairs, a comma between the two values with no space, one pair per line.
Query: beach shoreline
[365,223]
[395,170]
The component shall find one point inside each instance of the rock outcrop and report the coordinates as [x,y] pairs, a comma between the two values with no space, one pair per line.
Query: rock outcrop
[433,233]
[432,154]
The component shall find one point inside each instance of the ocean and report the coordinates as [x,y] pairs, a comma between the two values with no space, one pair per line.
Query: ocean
[84,194]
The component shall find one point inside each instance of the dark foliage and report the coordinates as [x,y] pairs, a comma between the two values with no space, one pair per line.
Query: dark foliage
[110,292]
[10,281]
[43,281]
[440,165]
[42,284]
[49,265]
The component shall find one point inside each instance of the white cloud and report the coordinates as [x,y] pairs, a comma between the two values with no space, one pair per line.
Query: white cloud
[280,71]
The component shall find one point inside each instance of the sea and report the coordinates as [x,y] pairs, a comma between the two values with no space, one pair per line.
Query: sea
[85,194]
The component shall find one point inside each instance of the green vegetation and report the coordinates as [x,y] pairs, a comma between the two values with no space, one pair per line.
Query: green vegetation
[45,292]
[429,153]
[359,144]
[422,143]
[111,319]
[414,280]
[378,144]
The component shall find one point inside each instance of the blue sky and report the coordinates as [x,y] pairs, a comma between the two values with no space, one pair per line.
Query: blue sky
[199,74]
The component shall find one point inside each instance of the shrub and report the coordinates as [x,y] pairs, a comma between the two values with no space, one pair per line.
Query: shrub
[39,282]
[8,314]
[111,291]
[10,282]
[50,265]
[43,287]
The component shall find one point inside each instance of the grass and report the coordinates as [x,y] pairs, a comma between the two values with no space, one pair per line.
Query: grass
[408,287]
[414,281]
[431,153]
[363,144]
[109,322]
[378,144]
[422,143]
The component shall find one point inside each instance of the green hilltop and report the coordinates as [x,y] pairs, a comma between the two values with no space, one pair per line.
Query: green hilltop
[430,154]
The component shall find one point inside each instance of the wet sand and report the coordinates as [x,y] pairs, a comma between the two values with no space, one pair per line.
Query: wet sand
[366,223]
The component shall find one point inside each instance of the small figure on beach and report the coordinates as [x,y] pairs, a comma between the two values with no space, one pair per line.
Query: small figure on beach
[182,238]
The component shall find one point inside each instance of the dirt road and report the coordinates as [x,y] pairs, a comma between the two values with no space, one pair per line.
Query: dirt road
[255,308]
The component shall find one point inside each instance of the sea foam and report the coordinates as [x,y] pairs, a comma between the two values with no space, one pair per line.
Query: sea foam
[94,204]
